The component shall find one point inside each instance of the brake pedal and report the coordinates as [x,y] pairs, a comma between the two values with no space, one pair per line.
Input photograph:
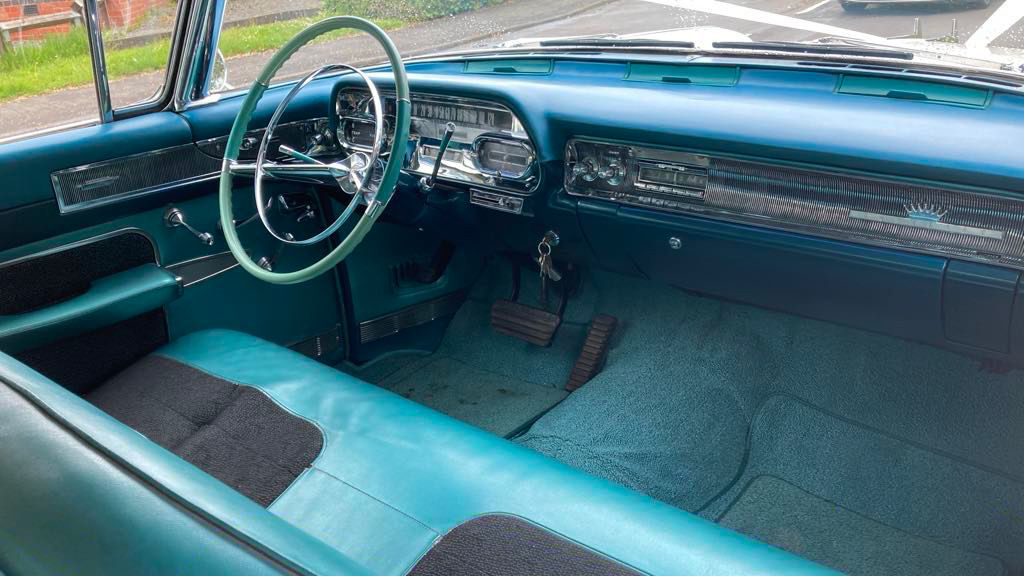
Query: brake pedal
[527,323]
[531,324]
[595,351]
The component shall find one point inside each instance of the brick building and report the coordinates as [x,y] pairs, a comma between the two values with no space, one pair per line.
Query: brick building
[115,13]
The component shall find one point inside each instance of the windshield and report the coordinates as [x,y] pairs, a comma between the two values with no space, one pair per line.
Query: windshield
[982,34]
[46,79]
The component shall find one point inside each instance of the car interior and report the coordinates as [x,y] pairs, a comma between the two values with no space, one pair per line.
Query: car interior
[563,311]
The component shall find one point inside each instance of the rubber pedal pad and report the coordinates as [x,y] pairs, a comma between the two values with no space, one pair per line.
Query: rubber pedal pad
[524,322]
[594,352]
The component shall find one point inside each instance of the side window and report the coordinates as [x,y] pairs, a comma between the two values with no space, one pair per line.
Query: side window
[47,79]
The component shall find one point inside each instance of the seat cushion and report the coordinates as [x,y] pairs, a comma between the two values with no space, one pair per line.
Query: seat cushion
[233,432]
[393,476]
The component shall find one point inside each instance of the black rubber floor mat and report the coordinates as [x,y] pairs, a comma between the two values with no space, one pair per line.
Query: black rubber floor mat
[774,511]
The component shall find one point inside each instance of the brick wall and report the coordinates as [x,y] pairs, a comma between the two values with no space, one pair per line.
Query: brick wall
[119,13]
[126,12]
[18,9]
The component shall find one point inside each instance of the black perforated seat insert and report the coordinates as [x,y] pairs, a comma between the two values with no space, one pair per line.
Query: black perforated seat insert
[233,432]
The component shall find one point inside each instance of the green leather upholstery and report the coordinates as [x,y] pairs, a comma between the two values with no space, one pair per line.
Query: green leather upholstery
[394,475]
[108,301]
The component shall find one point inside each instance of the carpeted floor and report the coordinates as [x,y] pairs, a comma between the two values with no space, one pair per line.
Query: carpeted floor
[864,452]
[490,380]
[701,397]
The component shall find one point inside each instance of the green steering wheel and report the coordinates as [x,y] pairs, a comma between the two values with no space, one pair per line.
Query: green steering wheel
[353,173]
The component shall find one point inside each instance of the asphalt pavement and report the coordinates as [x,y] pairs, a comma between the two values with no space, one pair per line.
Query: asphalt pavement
[533,18]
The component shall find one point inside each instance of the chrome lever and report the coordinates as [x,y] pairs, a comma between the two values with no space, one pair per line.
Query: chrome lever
[175,218]
[427,182]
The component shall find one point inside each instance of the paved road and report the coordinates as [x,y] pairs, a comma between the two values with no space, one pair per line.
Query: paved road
[531,18]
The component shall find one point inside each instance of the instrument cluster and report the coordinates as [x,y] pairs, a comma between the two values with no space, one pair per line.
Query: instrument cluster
[488,146]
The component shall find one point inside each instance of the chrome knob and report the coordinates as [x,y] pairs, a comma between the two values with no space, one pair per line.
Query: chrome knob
[675,243]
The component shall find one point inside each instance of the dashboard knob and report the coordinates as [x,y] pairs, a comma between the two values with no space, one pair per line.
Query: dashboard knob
[612,173]
[588,169]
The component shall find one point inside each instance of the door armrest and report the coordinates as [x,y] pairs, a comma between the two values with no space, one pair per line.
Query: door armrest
[109,300]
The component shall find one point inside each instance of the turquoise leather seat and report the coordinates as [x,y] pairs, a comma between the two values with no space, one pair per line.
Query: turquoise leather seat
[394,476]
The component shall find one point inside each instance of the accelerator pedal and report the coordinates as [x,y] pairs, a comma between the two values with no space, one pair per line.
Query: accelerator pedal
[595,351]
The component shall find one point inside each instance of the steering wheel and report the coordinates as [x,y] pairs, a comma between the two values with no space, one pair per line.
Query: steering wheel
[353,174]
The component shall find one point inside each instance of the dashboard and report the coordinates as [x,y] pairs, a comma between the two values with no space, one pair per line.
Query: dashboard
[799,187]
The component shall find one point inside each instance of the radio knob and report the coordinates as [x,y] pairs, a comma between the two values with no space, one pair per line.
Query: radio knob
[586,169]
[612,173]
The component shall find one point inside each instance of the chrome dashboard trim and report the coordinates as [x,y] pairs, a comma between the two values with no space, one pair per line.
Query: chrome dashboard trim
[929,224]
[460,164]
[930,218]
[198,165]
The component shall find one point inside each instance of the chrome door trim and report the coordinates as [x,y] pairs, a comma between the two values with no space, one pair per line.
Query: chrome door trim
[99,62]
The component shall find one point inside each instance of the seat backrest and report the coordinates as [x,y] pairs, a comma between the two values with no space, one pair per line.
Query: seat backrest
[82,493]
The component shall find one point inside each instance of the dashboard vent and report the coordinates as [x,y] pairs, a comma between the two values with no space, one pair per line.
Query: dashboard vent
[520,66]
[91,185]
[914,90]
[683,74]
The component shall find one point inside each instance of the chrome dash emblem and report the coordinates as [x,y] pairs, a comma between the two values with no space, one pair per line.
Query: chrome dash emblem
[927,212]
[929,217]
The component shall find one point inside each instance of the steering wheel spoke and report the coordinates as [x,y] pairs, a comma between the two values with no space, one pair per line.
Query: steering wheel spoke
[355,174]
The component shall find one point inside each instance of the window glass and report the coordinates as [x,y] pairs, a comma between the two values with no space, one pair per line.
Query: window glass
[254,30]
[46,78]
[137,41]
[987,35]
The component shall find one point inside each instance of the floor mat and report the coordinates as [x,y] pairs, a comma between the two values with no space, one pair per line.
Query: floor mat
[776,512]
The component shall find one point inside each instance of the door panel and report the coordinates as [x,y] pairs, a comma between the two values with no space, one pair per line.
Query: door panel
[144,180]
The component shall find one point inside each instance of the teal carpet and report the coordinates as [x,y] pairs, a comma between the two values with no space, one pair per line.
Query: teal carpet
[776,512]
[905,444]
[490,380]
[863,452]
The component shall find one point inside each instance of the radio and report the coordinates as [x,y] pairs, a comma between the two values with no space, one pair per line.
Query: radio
[631,174]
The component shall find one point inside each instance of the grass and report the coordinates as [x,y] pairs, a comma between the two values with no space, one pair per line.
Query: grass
[62,60]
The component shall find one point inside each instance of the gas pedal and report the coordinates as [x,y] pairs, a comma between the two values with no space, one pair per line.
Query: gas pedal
[527,323]
[594,352]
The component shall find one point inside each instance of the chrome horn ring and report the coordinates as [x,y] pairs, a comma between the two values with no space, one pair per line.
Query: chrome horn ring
[357,169]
